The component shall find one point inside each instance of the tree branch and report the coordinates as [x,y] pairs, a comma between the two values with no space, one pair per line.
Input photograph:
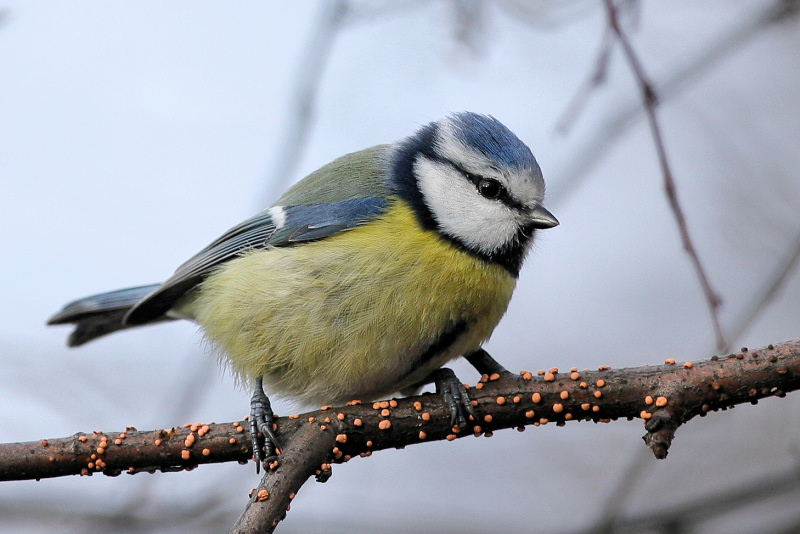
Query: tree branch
[663,396]
[650,101]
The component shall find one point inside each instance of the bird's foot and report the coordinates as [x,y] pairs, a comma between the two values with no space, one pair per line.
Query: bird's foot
[454,395]
[261,420]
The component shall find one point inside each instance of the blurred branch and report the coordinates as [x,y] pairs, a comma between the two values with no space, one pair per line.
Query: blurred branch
[650,102]
[301,107]
[624,117]
[595,80]
[664,396]
[683,517]
[766,292]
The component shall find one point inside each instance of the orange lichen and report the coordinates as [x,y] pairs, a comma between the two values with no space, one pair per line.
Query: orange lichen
[487,418]
[417,405]
[422,434]
[661,401]
[494,376]
[558,408]
[262,495]
[688,365]
[500,400]
[529,414]
[536,398]
[600,383]
[648,400]
[385,424]
[669,361]
[564,395]
[425,416]
[549,377]
[598,394]
[385,412]
[185,454]
[358,422]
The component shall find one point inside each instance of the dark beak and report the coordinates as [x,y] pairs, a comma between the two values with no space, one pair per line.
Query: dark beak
[542,219]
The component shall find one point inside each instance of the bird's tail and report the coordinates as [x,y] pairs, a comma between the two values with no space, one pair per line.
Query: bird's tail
[101,314]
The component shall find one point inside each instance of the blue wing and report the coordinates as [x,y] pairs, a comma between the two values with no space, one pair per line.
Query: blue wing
[278,226]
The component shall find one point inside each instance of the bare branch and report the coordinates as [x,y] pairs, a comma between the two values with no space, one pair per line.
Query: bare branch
[650,102]
[664,397]
[619,120]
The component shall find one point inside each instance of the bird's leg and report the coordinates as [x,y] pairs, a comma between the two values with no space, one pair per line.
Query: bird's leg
[454,395]
[261,419]
[485,364]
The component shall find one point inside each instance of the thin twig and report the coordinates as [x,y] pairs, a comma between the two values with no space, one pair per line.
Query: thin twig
[650,102]
[570,177]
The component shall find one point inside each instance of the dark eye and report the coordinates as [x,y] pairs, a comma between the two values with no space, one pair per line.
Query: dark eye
[490,188]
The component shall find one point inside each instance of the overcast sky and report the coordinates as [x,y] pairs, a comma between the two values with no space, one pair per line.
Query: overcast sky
[132,134]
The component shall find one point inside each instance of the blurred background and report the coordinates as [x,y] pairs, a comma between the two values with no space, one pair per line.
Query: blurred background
[132,134]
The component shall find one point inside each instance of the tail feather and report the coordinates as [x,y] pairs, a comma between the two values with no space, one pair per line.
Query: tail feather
[101,314]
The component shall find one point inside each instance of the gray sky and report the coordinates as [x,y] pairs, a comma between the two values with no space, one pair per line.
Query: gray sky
[131,135]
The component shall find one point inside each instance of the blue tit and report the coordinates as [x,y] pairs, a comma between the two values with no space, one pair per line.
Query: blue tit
[364,278]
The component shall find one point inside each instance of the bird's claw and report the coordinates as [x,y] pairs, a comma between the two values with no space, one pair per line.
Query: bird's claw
[261,421]
[454,396]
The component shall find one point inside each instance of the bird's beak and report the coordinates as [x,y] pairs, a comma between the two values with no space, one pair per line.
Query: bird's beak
[541,219]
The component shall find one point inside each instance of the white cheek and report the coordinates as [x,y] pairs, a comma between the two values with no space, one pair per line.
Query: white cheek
[461,212]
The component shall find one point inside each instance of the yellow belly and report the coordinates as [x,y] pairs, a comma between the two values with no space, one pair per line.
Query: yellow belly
[348,316]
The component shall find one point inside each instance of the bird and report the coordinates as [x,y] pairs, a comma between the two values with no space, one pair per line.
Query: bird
[363,280]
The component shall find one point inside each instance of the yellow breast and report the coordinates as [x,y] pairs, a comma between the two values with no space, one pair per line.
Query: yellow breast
[349,316]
